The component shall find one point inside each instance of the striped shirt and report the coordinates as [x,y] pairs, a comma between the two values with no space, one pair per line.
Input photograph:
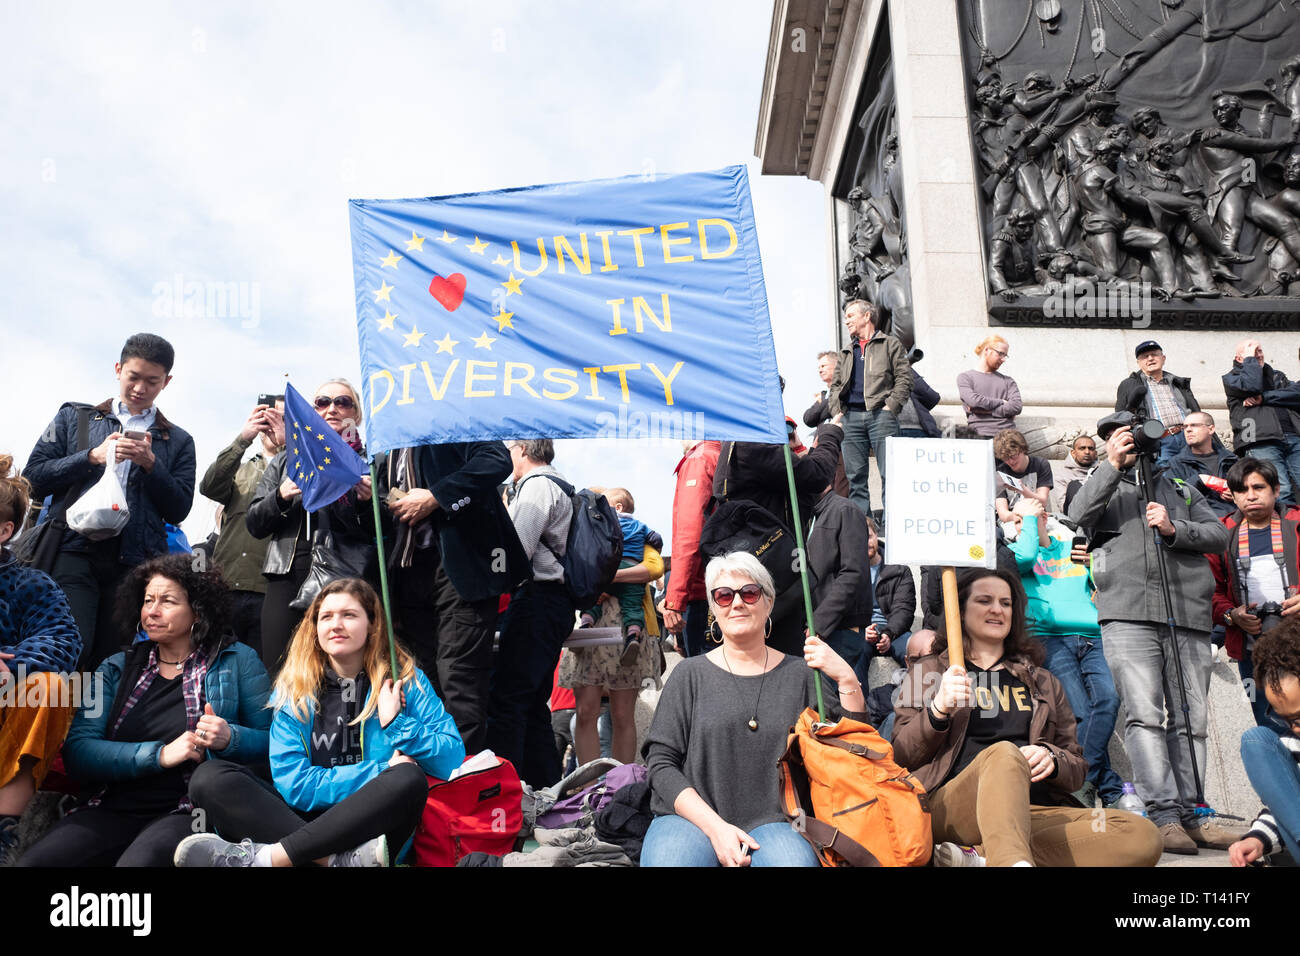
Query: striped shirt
[542,513]
[1265,825]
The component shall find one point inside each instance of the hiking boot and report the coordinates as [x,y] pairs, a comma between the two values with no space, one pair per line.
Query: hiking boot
[371,853]
[952,854]
[208,849]
[1176,839]
[631,647]
[1208,832]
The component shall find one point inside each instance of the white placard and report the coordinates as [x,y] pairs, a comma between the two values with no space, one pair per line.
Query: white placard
[939,502]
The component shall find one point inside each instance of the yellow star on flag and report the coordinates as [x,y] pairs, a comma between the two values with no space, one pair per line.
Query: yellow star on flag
[446,237]
[446,343]
[381,294]
[392,259]
[501,261]
[484,341]
[414,337]
[327,448]
[385,323]
[415,242]
[478,246]
[512,285]
[503,320]
[320,436]
[326,460]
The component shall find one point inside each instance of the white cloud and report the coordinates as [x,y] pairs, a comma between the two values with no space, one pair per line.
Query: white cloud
[221,143]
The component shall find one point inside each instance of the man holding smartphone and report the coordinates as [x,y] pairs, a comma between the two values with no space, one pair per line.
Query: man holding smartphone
[155,463]
[232,482]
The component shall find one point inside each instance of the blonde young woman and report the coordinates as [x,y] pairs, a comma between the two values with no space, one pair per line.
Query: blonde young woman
[991,400]
[350,750]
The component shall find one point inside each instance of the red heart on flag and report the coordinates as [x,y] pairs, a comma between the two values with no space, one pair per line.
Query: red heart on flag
[449,291]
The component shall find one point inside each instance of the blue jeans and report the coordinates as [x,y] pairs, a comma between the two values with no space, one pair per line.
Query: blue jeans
[1276,780]
[1170,446]
[1284,453]
[695,618]
[1140,655]
[1265,716]
[1079,664]
[675,841]
[864,431]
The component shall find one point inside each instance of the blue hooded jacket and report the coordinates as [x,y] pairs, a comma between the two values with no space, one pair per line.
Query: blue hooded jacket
[422,730]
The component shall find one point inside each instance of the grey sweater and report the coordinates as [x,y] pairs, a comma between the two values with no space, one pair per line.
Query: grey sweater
[992,401]
[699,737]
[1125,569]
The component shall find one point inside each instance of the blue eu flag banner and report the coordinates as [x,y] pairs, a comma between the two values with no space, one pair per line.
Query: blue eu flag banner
[316,457]
[614,308]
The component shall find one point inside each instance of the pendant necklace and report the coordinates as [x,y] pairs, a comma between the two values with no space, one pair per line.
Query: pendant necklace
[752,724]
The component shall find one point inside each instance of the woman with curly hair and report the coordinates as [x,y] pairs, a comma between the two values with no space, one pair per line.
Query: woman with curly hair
[157,711]
[350,750]
[993,743]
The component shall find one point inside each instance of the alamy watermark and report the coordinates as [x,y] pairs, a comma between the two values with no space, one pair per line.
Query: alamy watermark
[182,299]
[1085,299]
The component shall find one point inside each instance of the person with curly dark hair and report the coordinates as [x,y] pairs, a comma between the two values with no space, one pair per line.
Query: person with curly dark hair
[993,743]
[187,693]
[1273,761]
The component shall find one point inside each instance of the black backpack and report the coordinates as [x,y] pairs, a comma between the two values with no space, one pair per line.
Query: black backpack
[594,547]
[747,526]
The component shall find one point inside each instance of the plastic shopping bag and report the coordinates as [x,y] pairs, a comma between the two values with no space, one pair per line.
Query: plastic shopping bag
[101,512]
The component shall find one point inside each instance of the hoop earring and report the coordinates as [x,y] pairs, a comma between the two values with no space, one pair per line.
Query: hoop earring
[767,630]
[710,631]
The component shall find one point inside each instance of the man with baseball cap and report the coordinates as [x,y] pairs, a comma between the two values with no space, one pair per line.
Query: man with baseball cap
[1158,394]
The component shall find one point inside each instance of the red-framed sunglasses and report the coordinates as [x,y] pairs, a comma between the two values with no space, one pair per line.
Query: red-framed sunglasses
[750,594]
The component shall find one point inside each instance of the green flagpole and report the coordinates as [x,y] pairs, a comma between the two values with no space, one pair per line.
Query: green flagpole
[803,567]
[383,570]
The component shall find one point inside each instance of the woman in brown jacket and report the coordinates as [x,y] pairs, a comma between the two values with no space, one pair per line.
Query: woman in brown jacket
[994,745]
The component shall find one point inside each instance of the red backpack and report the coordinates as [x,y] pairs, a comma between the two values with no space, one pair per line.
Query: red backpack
[477,812]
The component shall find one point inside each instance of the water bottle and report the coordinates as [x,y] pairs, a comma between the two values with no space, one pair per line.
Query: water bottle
[1130,801]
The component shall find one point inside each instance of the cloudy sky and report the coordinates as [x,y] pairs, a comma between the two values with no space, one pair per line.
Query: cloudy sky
[151,145]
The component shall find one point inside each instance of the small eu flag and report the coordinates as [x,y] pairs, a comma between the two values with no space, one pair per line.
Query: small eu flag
[316,457]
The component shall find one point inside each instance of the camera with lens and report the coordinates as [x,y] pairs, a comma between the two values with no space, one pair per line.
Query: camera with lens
[1147,432]
[1269,614]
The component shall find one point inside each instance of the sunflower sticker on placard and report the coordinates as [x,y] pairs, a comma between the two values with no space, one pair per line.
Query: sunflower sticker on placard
[976,552]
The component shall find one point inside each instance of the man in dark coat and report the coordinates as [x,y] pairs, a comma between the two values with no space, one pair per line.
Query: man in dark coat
[454,553]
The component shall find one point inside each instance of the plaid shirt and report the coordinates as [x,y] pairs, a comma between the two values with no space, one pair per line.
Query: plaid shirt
[1166,404]
[192,675]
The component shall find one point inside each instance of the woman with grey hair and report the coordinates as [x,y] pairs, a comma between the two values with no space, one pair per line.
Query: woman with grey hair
[721,725]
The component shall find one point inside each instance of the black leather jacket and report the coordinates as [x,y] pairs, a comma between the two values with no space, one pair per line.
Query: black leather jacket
[286,524]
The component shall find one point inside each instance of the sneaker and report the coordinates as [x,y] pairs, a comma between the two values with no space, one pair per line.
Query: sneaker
[208,849]
[1087,794]
[631,647]
[952,854]
[371,853]
[1208,832]
[1176,839]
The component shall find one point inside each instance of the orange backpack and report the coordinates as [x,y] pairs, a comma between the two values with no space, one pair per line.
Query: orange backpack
[842,790]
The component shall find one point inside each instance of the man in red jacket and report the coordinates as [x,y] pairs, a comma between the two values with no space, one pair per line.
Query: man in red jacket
[1250,581]
[686,609]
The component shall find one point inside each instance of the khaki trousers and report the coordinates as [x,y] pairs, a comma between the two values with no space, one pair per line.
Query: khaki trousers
[988,803]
